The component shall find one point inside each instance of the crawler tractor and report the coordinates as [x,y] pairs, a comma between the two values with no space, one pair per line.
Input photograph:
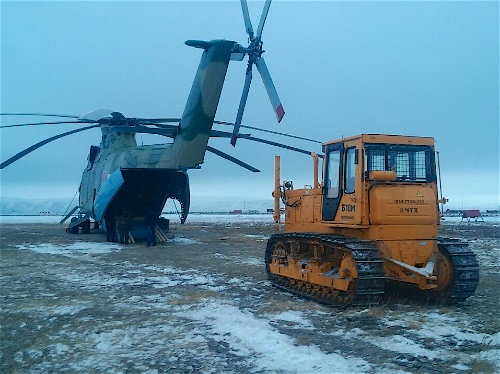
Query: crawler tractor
[370,225]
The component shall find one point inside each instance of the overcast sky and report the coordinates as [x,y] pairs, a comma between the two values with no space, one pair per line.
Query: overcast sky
[341,68]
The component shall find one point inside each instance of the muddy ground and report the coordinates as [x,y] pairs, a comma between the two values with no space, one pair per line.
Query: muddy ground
[201,303]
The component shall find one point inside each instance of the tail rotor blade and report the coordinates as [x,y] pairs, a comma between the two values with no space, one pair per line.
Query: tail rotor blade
[271,90]
[263,18]
[246,18]
[241,108]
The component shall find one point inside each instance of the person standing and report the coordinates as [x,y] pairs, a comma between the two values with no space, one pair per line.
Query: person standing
[124,223]
[110,221]
[151,220]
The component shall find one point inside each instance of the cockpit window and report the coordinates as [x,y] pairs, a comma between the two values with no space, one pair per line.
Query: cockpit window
[411,163]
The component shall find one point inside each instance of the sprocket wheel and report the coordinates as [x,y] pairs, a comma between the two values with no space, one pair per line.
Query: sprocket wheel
[444,271]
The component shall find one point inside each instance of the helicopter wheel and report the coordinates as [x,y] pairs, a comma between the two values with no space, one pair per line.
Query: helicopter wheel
[86,227]
[74,229]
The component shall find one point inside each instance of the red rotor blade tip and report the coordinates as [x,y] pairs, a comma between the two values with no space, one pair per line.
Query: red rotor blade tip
[280,112]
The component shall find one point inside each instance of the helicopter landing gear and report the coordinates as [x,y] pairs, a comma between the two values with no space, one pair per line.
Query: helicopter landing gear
[74,226]
[73,229]
[86,227]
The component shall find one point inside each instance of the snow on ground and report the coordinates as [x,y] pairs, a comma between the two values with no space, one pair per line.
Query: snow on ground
[197,218]
[488,254]
[229,219]
[254,340]
[458,220]
[73,249]
[182,240]
[157,318]
[29,219]
[251,339]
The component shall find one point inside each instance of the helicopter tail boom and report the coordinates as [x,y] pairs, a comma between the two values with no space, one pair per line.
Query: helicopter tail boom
[196,123]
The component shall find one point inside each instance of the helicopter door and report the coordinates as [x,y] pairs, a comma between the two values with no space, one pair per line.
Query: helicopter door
[332,190]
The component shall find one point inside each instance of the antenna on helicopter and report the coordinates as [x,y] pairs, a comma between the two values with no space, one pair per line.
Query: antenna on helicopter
[254,52]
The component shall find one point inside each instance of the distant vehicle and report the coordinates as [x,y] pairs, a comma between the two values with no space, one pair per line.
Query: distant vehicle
[472,213]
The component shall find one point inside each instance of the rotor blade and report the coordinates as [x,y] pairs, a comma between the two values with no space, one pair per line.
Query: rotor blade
[263,18]
[157,120]
[246,18]
[269,131]
[224,134]
[146,130]
[39,144]
[40,115]
[232,159]
[243,101]
[162,126]
[271,90]
[96,115]
[38,124]
[278,145]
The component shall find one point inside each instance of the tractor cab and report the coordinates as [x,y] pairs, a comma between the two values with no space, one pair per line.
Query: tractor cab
[368,180]
[376,179]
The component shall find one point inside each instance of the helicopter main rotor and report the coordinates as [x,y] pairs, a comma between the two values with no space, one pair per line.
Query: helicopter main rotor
[116,121]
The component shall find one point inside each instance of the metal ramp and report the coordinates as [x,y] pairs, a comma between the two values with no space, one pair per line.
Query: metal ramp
[69,215]
[79,220]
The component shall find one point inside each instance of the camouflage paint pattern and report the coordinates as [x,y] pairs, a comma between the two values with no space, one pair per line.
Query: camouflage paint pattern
[119,150]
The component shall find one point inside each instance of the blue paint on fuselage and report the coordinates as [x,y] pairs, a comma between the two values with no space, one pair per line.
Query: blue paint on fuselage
[108,191]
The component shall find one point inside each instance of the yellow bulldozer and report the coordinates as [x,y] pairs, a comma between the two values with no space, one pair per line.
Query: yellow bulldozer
[371,224]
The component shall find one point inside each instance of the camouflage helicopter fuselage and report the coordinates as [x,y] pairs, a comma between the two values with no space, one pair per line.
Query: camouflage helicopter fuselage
[121,175]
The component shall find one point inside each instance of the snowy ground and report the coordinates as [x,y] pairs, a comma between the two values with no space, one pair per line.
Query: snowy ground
[202,303]
[200,218]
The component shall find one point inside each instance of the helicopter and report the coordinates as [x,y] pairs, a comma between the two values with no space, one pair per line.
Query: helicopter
[123,176]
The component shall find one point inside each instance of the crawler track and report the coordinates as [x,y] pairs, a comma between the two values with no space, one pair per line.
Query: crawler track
[465,276]
[457,273]
[365,289]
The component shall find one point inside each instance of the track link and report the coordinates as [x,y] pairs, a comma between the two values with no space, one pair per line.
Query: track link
[465,270]
[366,289]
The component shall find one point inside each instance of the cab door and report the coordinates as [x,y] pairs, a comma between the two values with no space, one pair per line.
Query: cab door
[332,189]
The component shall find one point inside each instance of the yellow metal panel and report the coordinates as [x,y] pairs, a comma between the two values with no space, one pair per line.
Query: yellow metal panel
[403,204]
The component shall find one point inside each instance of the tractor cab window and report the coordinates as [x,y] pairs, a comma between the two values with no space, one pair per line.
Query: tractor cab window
[333,174]
[411,163]
[350,170]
